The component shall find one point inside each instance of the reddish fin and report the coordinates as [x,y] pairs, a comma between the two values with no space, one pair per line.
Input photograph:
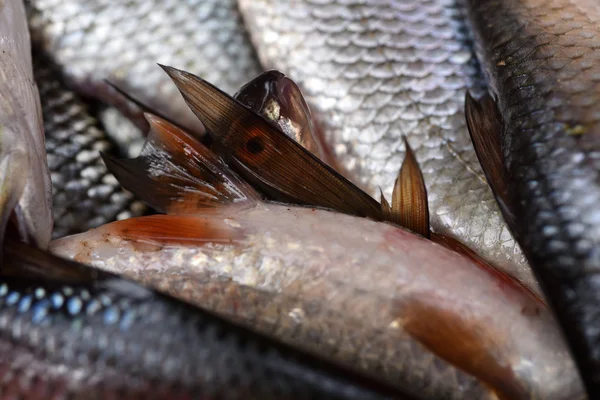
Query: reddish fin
[278,99]
[265,156]
[175,229]
[485,127]
[409,198]
[452,338]
[176,174]
[460,248]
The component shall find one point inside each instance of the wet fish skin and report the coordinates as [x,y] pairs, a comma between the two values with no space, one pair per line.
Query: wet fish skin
[85,194]
[542,63]
[350,300]
[111,338]
[24,179]
[372,71]
[122,42]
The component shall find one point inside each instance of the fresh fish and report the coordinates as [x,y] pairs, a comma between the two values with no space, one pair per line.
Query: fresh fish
[85,194]
[94,41]
[542,63]
[373,71]
[25,189]
[363,293]
[106,337]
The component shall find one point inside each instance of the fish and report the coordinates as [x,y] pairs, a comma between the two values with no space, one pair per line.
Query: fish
[374,71]
[72,331]
[351,288]
[541,114]
[95,41]
[25,189]
[85,195]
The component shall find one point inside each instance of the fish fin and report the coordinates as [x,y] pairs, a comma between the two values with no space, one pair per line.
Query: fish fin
[485,127]
[452,338]
[164,230]
[265,156]
[176,174]
[386,210]
[146,109]
[24,260]
[409,198]
[277,98]
[460,248]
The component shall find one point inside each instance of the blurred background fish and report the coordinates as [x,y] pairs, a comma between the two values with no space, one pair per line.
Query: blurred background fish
[85,194]
[94,41]
[25,190]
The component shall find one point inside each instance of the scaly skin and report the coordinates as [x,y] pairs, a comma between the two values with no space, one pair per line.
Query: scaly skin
[85,194]
[345,287]
[542,59]
[375,70]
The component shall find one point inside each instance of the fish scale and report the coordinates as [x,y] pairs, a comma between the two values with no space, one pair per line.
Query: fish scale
[85,194]
[94,336]
[372,71]
[123,41]
[542,61]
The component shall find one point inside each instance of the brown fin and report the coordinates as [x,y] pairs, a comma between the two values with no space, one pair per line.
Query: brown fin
[175,229]
[265,156]
[485,127]
[460,248]
[386,210]
[409,198]
[452,338]
[278,99]
[146,109]
[176,174]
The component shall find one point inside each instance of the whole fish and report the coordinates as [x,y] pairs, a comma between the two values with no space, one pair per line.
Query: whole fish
[25,189]
[93,41]
[363,293]
[373,71]
[85,194]
[542,63]
[96,336]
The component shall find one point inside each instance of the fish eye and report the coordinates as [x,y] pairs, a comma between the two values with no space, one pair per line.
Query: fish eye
[254,145]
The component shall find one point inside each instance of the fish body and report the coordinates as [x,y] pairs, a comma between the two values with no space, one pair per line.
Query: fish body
[373,71]
[107,337]
[94,41]
[542,63]
[25,189]
[362,293]
[85,194]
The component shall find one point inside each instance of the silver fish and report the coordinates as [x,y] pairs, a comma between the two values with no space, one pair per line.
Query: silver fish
[85,194]
[95,40]
[363,293]
[374,70]
[25,188]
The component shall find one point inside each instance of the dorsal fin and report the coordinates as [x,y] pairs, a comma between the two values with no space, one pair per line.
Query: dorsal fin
[265,156]
[409,207]
[176,174]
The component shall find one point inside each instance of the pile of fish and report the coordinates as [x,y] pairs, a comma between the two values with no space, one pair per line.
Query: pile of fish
[240,251]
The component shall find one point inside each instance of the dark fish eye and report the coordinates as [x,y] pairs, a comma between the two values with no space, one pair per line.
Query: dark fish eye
[255,145]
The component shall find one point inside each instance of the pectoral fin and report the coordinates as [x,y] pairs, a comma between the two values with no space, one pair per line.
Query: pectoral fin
[176,174]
